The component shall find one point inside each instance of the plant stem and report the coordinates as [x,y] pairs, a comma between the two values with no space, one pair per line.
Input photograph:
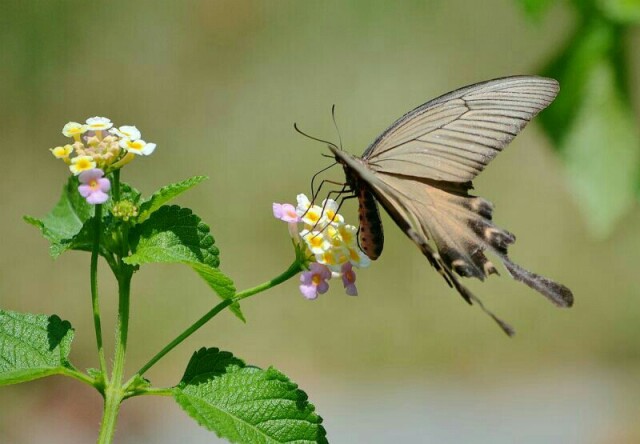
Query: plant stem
[293,269]
[114,392]
[116,185]
[95,303]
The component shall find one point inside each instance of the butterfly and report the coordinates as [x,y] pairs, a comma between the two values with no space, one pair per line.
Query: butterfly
[421,170]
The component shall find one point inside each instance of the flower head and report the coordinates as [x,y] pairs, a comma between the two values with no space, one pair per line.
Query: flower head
[82,163]
[138,146]
[97,145]
[329,243]
[314,281]
[94,187]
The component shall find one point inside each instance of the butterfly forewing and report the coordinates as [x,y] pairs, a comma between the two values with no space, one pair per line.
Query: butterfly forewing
[454,137]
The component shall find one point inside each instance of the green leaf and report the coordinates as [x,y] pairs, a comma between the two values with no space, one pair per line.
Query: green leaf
[66,219]
[164,195]
[246,404]
[621,11]
[176,235]
[173,235]
[220,283]
[602,152]
[592,124]
[208,363]
[32,346]
[572,67]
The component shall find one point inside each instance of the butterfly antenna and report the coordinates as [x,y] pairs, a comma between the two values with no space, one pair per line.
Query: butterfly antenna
[295,126]
[333,116]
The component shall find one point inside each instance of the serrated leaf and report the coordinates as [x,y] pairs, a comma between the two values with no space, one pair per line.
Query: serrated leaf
[602,152]
[164,195]
[173,235]
[32,346]
[176,235]
[66,219]
[247,404]
[208,363]
[220,283]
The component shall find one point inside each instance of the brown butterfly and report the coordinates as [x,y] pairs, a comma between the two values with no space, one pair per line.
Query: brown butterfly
[420,170]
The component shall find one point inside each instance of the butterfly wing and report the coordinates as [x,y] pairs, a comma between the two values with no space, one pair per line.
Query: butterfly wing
[454,137]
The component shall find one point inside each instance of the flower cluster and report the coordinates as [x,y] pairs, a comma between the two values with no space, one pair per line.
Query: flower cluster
[98,148]
[331,244]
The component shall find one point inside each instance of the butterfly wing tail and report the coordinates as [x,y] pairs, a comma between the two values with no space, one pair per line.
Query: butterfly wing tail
[436,261]
[557,293]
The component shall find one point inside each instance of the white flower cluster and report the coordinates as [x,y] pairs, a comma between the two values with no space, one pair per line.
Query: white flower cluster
[97,144]
[331,241]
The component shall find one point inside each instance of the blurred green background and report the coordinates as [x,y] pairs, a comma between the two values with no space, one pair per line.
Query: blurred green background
[217,85]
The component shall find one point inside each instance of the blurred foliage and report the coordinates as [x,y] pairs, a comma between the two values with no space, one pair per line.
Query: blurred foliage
[592,122]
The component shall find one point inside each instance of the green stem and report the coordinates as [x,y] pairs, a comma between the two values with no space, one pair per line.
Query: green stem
[116,185]
[288,274]
[95,303]
[80,377]
[114,392]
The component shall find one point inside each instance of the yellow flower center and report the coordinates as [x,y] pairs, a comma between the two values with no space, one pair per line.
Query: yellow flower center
[134,145]
[313,216]
[83,164]
[315,240]
[93,184]
[316,279]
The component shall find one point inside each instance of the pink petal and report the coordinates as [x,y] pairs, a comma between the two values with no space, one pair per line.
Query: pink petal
[306,277]
[84,190]
[323,287]
[351,290]
[97,197]
[309,291]
[89,175]
[277,210]
[104,184]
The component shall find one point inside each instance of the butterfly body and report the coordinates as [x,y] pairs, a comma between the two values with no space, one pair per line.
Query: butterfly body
[370,232]
[420,170]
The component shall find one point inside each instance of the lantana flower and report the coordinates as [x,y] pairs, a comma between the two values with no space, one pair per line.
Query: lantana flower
[74,129]
[314,281]
[126,132]
[330,243]
[62,152]
[349,279]
[94,187]
[98,123]
[138,146]
[82,163]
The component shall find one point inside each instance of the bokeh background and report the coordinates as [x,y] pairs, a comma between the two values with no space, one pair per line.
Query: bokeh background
[217,85]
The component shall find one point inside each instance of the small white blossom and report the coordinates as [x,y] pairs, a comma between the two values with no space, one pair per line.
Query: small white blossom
[72,129]
[98,123]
